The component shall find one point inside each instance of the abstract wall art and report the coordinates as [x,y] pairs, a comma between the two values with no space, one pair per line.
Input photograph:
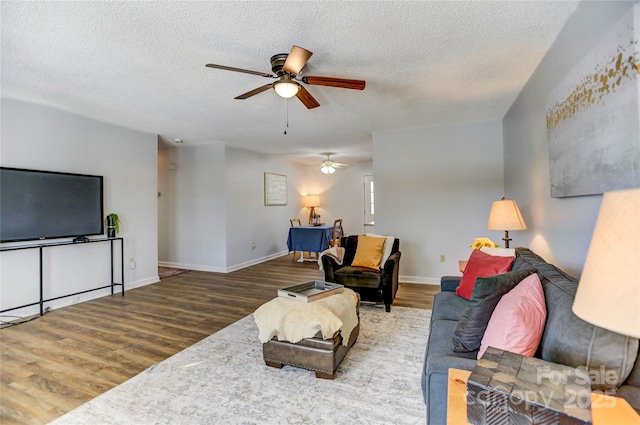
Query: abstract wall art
[593,117]
[275,189]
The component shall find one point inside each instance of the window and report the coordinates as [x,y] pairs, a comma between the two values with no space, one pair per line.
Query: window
[369,200]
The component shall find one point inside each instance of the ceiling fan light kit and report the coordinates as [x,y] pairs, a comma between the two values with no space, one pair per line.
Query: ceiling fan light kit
[286,67]
[286,87]
[327,168]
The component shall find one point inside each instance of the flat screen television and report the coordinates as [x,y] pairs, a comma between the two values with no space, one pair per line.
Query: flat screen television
[38,204]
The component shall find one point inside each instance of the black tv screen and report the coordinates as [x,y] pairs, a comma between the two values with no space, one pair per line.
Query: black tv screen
[46,204]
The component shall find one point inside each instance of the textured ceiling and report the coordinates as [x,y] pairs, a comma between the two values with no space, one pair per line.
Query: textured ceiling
[142,65]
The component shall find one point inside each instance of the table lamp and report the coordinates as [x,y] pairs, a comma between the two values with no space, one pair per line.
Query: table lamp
[311,201]
[506,216]
[608,294]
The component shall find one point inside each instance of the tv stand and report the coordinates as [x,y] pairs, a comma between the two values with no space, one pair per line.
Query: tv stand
[80,239]
[42,247]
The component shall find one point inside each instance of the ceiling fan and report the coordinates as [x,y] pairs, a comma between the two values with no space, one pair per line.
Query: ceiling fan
[328,166]
[286,67]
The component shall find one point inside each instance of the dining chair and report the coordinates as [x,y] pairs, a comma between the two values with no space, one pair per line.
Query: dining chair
[295,222]
[337,233]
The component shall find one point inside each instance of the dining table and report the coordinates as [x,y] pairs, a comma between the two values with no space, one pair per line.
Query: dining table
[309,238]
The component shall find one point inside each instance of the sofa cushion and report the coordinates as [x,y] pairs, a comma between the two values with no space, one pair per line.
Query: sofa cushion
[448,306]
[517,322]
[481,265]
[439,357]
[634,376]
[357,277]
[570,340]
[440,341]
[486,295]
[368,252]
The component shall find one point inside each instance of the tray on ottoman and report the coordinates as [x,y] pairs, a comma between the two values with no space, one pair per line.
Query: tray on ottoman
[311,291]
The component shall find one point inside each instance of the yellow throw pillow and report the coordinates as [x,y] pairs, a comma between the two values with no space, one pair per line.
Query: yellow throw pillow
[368,252]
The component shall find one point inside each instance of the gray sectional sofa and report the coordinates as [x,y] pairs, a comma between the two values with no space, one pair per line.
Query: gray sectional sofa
[566,339]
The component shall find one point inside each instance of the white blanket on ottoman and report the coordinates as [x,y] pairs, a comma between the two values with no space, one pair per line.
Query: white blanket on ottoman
[291,320]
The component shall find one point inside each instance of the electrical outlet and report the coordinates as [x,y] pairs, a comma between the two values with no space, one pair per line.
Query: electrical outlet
[253,245]
[443,258]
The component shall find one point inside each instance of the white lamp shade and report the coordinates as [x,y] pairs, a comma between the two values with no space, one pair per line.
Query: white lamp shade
[505,215]
[286,89]
[311,201]
[608,294]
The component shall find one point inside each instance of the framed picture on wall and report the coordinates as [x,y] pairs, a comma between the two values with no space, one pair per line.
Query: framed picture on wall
[275,189]
[593,124]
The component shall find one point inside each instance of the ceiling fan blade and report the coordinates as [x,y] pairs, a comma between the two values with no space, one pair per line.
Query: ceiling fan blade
[334,82]
[246,71]
[305,97]
[296,60]
[254,92]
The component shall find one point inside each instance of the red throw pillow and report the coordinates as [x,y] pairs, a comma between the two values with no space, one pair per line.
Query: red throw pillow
[481,265]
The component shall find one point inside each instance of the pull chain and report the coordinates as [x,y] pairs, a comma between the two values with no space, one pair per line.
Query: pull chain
[286,115]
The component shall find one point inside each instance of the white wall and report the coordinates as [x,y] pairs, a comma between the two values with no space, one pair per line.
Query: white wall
[44,138]
[248,219]
[341,195]
[559,229]
[212,208]
[434,188]
[192,207]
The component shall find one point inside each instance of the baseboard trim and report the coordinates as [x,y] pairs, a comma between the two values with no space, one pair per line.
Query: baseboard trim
[256,261]
[229,269]
[141,282]
[420,279]
[196,267]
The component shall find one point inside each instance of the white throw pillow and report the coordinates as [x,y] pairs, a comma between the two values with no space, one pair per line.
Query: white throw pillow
[386,249]
[499,252]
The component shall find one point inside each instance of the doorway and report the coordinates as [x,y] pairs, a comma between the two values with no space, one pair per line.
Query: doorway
[369,205]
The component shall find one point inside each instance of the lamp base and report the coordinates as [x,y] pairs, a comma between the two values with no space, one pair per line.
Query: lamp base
[312,210]
[506,239]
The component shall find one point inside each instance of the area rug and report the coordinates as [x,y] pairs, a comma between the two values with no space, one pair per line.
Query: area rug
[169,271]
[223,380]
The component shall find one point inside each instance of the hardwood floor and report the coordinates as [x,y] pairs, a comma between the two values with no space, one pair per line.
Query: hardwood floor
[55,363]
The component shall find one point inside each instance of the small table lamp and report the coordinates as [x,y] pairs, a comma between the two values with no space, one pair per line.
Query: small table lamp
[311,201]
[608,294]
[506,216]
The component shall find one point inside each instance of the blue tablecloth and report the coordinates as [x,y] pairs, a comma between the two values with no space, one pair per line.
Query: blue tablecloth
[310,238]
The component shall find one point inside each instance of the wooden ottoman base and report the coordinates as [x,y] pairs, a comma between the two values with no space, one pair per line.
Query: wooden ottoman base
[320,355]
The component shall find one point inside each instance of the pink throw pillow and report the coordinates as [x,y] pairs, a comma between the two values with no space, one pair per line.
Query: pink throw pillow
[518,320]
[481,265]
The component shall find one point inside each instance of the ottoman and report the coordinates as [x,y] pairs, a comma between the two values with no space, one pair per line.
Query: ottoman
[319,353]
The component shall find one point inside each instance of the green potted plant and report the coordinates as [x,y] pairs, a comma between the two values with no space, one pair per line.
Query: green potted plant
[113,225]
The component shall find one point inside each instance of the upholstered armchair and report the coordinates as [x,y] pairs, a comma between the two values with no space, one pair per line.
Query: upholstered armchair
[377,285]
